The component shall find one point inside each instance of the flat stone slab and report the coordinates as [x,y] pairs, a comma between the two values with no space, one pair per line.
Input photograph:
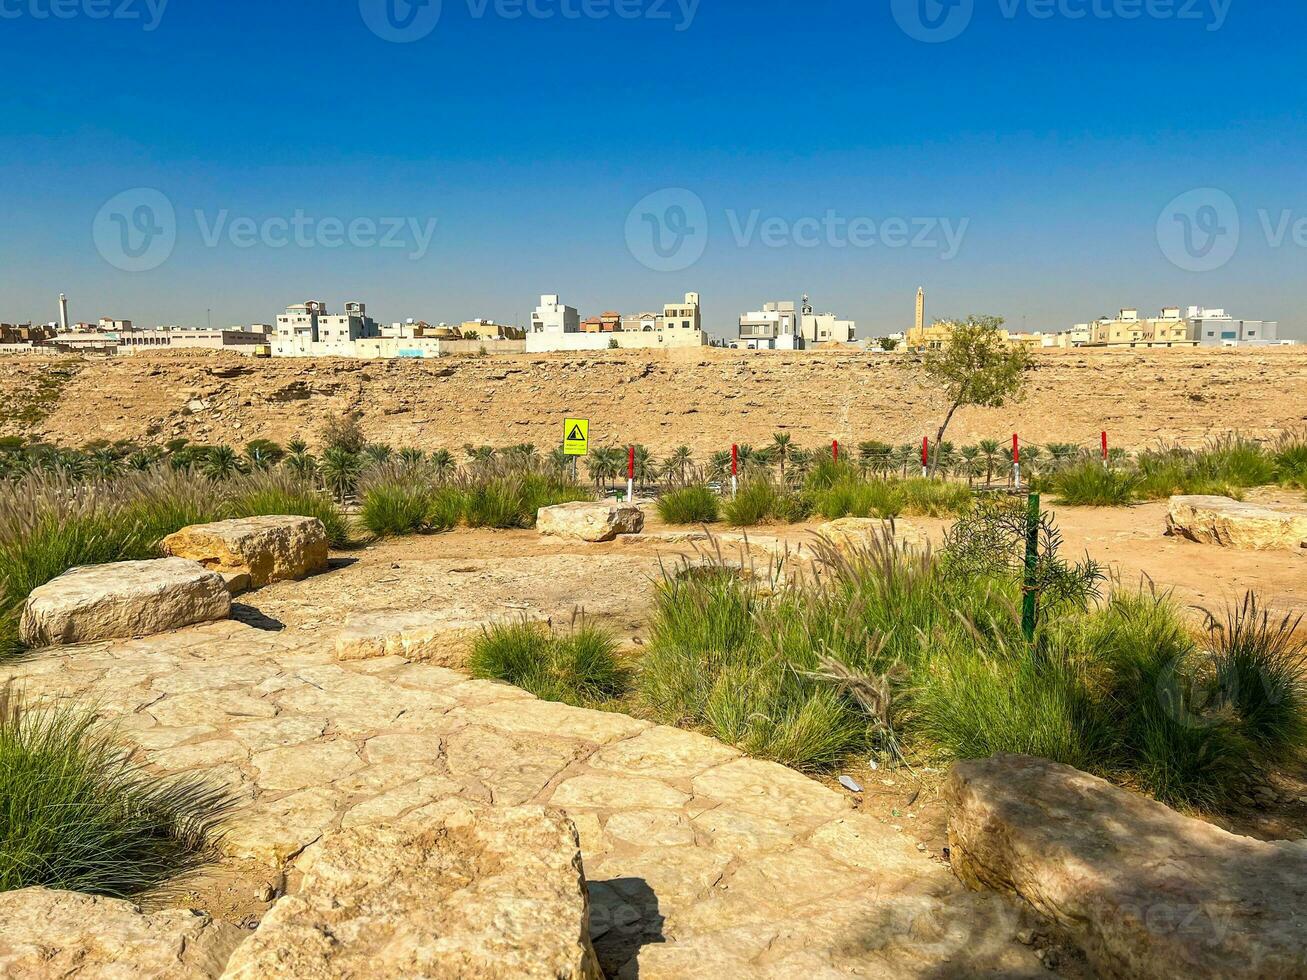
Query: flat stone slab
[123,599]
[1146,891]
[854,533]
[267,549]
[590,520]
[666,537]
[55,935]
[461,892]
[441,637]
[1236,524]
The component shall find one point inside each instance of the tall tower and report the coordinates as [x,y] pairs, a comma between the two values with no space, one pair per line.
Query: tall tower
[63,313]
[921,308]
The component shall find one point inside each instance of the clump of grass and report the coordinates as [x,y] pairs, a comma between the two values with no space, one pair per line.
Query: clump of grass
[695,504]
[760,500]
[266,493]
[579,668]
[395,499]
[1291,460]
[1089,483]
[79,816]
[856,496]
[1224,467]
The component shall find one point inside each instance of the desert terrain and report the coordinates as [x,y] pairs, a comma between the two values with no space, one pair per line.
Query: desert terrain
[705,399]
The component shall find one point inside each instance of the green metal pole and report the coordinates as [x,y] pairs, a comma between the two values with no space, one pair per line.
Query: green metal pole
[1029,598]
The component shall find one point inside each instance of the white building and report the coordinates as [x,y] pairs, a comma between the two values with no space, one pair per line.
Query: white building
[1216,328]
[774,327]
[682,316]
[553,318]
[308,329]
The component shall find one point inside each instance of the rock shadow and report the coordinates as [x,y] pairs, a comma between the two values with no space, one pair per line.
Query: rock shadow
[259,620]
[624,916]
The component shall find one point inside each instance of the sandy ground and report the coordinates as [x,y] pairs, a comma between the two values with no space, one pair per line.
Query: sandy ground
[703,398]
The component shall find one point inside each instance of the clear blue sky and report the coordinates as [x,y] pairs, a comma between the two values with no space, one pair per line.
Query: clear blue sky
[1058,140]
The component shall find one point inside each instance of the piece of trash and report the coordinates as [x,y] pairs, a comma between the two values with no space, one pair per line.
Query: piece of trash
[851,784]
[874,764]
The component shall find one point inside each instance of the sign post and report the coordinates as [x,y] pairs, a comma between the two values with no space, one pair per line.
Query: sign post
[925,457]
[630,475]
[735,470]
[576,440]
[1104,447]
[1016,461]
[835,450]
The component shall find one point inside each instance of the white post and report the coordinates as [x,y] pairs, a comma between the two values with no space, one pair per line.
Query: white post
[735,485]
[630,491]
[1016,474]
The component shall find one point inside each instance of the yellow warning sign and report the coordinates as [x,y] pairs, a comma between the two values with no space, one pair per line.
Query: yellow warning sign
[576,437]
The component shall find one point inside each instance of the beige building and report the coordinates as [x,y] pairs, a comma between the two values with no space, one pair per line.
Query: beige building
[1129,329]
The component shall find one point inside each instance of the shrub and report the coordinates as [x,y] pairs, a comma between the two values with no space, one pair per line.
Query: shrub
[695,504]
[444,509]
[752,504]
[272,492]
[343,433]
[395,500]
[79,816]
[1291,460]
[1089,483]
[578,668]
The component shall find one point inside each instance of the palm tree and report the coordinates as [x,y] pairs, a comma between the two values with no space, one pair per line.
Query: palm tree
[221,463]
[375,453]
[412,457]
[340,471]
[989,452]
[678,461]
[905,455]
[603,464]
[558,461]
[970,463]
[299,460]
[719,463]
[442,463]
[875,456]
[780,444]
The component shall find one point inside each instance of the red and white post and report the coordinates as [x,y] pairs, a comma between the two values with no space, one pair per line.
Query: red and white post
[1016,461]
[630,475]
[835,450]
[735,470]
[1104,447]
[925,456]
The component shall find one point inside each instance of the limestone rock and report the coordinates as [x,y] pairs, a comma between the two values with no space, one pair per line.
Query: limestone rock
[850,533]
[442,637]
[462,892]
[55,935]
[268,549]
[1145,891]
[587,520]
[123,599]
[1235,524]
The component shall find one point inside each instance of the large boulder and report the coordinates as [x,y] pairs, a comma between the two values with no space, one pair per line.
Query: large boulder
[463,893]
[443,637]
[54,935]
[587,520]
[1145,891]
[122,599]
[1236,524]
[267,549]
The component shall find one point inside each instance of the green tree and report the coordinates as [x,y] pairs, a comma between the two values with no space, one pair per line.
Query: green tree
[978,366]
[888,343]
[780,444]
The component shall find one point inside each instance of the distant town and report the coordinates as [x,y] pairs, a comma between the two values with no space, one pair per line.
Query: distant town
[309,329]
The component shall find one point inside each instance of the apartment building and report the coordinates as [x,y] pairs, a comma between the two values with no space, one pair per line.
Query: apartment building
[1216,328]
[774,327]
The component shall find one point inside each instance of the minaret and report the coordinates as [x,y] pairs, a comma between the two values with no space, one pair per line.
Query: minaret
[921,309]
[63,313]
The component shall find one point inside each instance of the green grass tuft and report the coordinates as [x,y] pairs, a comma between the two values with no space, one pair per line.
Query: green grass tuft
[695,504]
[579,668]
[79,816]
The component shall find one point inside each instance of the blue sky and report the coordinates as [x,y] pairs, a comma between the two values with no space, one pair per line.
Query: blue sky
[1027,166]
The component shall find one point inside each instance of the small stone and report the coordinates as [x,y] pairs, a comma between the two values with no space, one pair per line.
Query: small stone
[1026,937]
[851,784]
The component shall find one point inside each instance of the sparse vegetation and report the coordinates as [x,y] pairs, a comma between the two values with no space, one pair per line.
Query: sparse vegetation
[580,667]
[79,815]
[1088,483]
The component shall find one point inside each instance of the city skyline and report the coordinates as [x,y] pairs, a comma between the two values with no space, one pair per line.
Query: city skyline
[1050,189]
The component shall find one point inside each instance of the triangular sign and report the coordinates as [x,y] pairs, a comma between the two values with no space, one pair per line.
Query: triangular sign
[575,435]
